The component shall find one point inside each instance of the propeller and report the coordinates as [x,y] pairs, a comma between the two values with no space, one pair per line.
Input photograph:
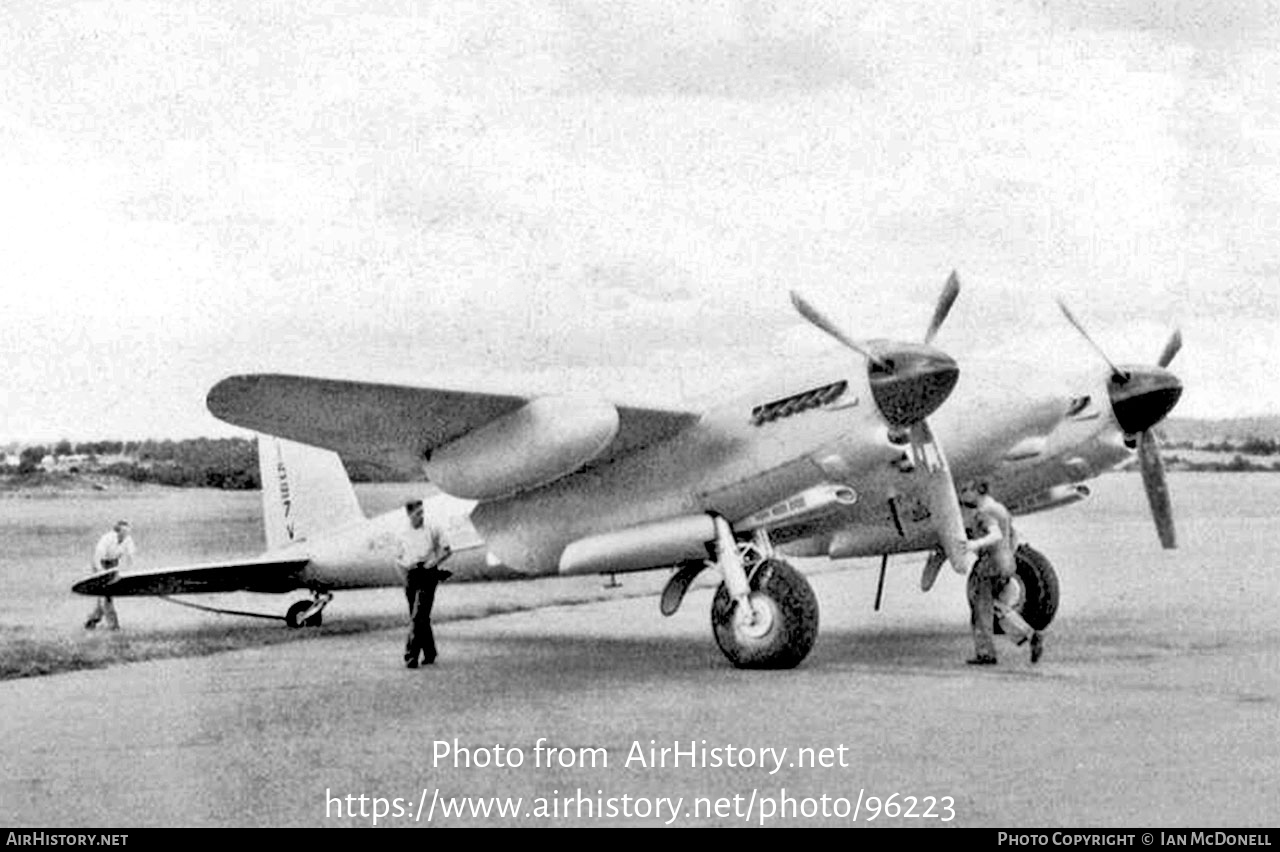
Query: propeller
[950,291]
[944,504]
[1171,348]
[820,320]
[1152,464]
[909,381]
[1141,396]
[1157,488]
[1116,372]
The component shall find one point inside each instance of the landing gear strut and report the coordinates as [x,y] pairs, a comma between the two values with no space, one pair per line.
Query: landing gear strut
[765,614]
[307,613]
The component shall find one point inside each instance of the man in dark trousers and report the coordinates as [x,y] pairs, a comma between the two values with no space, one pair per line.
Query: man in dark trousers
[996,545]
[422,549]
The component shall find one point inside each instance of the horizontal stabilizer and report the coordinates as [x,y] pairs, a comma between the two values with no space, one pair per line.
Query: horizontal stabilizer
[244,575]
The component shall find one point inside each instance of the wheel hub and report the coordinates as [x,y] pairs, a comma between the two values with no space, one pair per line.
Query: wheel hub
[756,621]
[1013,594]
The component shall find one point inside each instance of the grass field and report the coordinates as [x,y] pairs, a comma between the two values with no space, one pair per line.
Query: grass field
[46,542]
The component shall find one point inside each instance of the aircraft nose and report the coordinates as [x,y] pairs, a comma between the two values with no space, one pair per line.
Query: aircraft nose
[911,381]
[1143,397]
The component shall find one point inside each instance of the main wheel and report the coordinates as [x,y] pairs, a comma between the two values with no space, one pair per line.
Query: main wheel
[1037,588]
[780,630]
[293,617]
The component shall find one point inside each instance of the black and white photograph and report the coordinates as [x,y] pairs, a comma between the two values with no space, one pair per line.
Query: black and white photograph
[654,413]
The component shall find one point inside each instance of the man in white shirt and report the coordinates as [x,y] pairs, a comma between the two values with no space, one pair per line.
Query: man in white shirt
[113,548]
[422,549]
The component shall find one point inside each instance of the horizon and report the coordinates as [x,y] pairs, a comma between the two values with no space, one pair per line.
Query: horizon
[251,436]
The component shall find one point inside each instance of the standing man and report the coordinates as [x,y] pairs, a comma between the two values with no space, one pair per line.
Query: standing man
[422,549]
[992,586]
[114,546]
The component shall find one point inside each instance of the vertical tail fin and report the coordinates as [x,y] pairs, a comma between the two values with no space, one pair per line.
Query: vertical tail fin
[305,491]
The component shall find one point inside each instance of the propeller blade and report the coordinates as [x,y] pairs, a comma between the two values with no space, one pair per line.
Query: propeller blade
[1157,488]
[944,504]
[1171,348]
[947,298]
[1116,372]
[812,314]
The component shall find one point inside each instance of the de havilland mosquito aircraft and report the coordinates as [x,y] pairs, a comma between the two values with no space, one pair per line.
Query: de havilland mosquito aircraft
[837,461]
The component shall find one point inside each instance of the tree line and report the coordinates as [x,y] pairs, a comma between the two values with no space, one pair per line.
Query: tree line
[1250,446]
[232,463]
[227,463]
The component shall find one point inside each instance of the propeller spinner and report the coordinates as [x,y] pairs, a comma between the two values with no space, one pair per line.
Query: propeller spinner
[1141,396]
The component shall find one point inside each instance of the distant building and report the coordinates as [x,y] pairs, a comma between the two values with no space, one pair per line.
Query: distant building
[65,464]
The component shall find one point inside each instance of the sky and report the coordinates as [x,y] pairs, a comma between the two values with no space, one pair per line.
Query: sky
[616,198]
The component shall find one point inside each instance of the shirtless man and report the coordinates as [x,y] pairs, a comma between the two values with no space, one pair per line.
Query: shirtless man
[995,544]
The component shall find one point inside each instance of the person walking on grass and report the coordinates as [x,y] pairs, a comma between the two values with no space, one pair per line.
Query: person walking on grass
[114,547]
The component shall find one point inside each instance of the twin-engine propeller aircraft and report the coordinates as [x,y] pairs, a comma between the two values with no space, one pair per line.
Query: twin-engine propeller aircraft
[838,461]
[573,485]
[317,539]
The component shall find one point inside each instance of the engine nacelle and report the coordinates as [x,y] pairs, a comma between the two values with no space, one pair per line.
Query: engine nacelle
[543,440]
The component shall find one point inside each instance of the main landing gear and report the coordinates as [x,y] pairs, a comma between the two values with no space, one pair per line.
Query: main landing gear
[765,614]
[307,613]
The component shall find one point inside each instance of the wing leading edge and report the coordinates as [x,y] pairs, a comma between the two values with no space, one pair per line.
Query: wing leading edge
[241,575]
[395,426]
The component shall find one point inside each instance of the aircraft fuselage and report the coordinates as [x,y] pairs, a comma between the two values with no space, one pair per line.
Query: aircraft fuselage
[363,555]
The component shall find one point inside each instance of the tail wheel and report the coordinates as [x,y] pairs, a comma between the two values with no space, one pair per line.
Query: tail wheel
[782,626]
[1037,592]
[293,617]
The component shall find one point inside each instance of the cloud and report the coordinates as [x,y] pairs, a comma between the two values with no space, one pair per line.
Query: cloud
[721,49]
[1205,23]
[512,190]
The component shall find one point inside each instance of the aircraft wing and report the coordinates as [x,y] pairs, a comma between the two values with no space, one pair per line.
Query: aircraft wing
[259,574]
[395,426]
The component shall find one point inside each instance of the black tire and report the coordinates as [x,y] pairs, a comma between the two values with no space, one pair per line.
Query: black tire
[1038,598]
[1039,587]
[792,627]
[294,615]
